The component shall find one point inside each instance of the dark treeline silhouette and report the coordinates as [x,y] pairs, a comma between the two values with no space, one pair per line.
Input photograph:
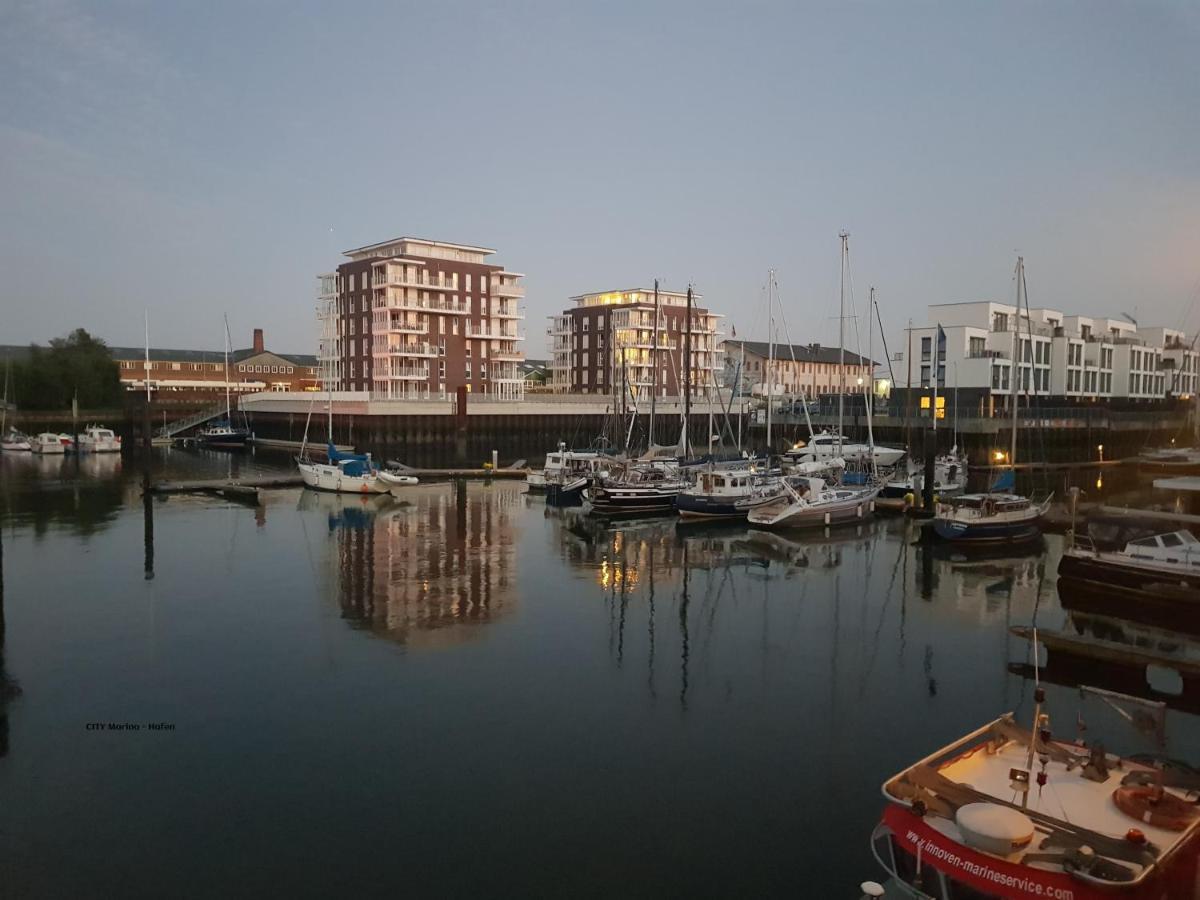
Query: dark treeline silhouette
[50,376]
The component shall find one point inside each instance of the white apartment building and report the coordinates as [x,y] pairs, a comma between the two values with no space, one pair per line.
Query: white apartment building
[1071,357]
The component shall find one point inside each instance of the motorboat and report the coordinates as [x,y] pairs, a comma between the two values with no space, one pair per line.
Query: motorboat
[826,445]
[949,477]
[1008,811]
[573,462]
[726,493]
[98,439]
[639,490]
[47,442]
[223,434]
[395,480]
[15,442]
[989,518]
[808,501]
[346,473]
[1160,566]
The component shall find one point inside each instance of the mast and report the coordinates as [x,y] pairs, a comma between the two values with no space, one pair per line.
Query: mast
[908,399]
[844,235]
[869,391]
[1012,456]
[146,374]
[937,334]
[741,403]
[228,416]
[770,352]
[687,375]
[654,365]
[709,395]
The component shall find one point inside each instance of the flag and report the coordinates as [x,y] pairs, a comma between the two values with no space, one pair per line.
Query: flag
[733,329]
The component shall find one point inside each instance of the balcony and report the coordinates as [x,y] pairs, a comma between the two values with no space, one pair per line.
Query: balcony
[508,356]
[408,373]
[444,307]
[395,326]
[395,279]
[475,332]
[502,289]
[421,350]
[507,311]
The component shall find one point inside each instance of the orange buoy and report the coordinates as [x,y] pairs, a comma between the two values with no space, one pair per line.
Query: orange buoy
[1156,807]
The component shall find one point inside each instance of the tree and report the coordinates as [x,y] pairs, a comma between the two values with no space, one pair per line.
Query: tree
[50,377]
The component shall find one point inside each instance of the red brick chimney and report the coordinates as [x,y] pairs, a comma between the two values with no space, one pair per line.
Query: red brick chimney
[258,340]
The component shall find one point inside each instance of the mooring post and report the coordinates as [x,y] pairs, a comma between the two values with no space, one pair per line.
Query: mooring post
[460,440]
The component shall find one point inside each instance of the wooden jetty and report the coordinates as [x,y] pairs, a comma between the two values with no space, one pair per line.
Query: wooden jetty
[241,489]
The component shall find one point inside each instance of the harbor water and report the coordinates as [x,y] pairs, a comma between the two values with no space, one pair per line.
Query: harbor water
[464,693]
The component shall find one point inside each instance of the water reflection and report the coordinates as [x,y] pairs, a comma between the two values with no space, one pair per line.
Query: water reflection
[428,570]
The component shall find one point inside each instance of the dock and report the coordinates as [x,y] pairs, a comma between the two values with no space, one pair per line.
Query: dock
[241,489]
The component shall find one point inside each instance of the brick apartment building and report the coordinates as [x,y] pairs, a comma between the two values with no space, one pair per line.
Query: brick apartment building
[416,319]
[608,340]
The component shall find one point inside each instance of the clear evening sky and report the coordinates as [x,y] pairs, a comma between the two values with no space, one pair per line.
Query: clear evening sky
[196,158]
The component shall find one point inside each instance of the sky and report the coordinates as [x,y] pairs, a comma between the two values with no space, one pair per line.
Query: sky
[185,160]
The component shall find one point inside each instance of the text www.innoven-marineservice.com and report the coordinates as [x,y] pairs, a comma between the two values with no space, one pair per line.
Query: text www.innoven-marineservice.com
[1030,886]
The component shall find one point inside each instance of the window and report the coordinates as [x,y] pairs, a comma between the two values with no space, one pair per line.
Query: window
[995,377]
[926,345]
[1170,540]
[241,368]
[924,376]
[468,282]
[585,324]
[442,347]
[977,345]
[454,326]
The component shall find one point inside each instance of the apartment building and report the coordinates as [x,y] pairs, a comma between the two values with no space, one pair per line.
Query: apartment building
[415,319]
[796,369]
[971,346]
[608,340]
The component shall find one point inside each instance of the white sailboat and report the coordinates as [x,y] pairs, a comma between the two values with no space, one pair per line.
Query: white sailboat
[344,473]
[10,440]
[810,500]
[222,433]
[1001,515]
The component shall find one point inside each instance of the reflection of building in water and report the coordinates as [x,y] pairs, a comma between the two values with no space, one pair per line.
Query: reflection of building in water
[426,572]
[987,587]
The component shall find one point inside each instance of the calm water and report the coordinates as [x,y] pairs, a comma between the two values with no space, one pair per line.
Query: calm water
[470,695]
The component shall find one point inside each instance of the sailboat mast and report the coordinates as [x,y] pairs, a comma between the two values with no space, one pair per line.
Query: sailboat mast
[687,375]
[741,403]
[770,352]
[842,340]
[654,365]
[228,417]
[1012,455]
[146,374]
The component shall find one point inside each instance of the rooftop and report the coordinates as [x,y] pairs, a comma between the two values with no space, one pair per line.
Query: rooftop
[415,240]
[799,352]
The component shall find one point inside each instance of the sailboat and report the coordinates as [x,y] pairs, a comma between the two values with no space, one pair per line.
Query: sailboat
[345,473]
[11,440]
[1001,514]
[222,433]
[810,500]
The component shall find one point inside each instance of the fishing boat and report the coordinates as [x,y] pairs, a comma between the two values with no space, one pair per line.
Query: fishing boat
[98,439]
[1000,514]
[48,443]
[223,433]
[807,501]
[15,441]
[1007,811]
[726,493]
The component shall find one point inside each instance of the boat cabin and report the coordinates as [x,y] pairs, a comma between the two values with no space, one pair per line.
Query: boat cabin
[734,483]
[1176,547]
[989,504]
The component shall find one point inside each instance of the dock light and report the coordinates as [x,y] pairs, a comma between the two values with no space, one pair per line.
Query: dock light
[860,382]
[998,456]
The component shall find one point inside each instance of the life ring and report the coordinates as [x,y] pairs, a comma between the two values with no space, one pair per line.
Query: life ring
[1156,807]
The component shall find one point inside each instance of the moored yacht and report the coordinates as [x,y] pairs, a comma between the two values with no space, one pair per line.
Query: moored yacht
[15,441]
[1011,812]
[949,477]
[726,493]
[346,473]
[989,518]
[573,461]
[638,490]
[48,442]
[808,501]
[1161,565]
[98,439]
[826,445]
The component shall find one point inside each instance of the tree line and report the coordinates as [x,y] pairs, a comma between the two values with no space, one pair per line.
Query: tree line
[51,376]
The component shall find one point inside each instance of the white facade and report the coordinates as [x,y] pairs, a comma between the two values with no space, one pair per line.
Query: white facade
[1076,357]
